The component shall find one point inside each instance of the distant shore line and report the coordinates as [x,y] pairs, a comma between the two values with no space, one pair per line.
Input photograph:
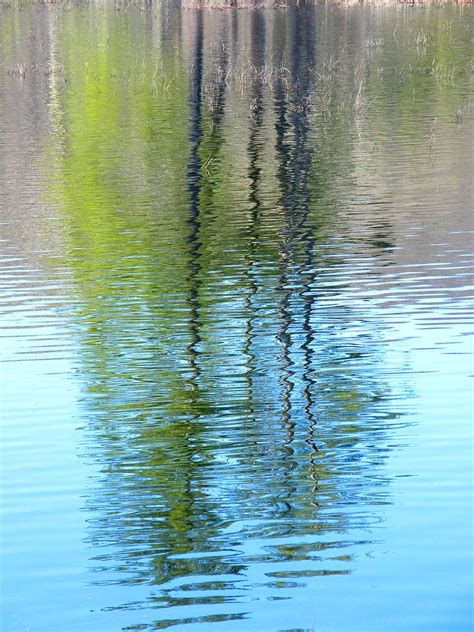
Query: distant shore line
[243,4]
[286,4]
[223,5]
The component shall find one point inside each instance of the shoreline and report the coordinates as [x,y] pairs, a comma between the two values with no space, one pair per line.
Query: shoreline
[223,5]
[226,5]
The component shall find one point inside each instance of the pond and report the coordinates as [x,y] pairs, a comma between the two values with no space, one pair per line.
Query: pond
[236,311]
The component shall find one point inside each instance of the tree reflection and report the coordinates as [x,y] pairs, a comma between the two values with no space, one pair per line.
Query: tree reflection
[222,403]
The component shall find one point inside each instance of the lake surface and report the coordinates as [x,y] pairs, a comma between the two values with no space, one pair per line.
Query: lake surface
[236,307]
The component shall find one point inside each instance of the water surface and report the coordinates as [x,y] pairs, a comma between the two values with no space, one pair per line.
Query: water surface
[236,312]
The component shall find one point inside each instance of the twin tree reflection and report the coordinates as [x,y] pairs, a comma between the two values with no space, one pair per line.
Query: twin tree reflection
[226,399]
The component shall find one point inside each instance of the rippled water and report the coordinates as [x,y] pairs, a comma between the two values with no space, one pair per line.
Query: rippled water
[236,306]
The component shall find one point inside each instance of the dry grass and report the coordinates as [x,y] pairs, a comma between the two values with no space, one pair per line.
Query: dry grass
[223,5]
[389,2]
